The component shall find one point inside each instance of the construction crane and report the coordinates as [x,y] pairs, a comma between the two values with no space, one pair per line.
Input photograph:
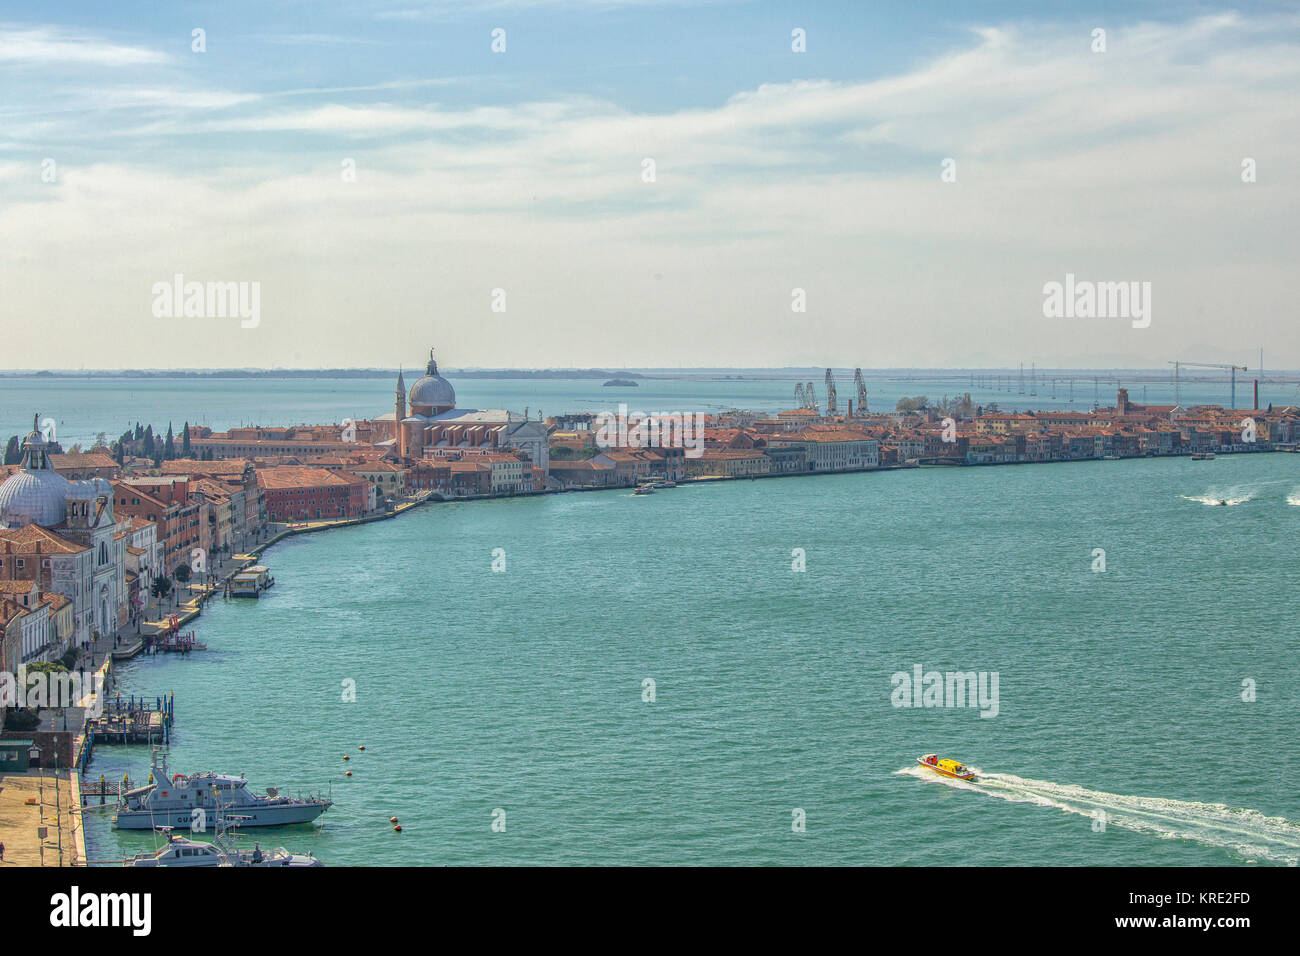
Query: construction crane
[810,397]
[831,408]
[862,391]
[799,401]
[1234,369]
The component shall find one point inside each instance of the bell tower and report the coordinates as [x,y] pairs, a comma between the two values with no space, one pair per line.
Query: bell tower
[399,413]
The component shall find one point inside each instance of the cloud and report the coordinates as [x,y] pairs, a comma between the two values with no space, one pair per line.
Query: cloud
[51,46]
[1123,165]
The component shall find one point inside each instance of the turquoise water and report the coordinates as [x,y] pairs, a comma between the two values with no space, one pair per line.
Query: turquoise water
[1119,691]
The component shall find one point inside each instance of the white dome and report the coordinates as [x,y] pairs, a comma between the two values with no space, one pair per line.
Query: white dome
[33,497]
[433,389]
[36,494]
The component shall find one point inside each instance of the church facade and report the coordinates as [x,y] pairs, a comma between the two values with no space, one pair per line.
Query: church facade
[62,536]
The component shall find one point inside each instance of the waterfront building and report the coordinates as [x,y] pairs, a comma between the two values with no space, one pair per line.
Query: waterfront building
[433,423]
[469,477]
[33,636]
[582,473]
[733,438]
[165,501]
[832,449]
[388,479]
[63,621]
[631,465]
[238,476]
[299,493]
[787,459]
[216,522]
[55,564]
[1003,423]
[729,463]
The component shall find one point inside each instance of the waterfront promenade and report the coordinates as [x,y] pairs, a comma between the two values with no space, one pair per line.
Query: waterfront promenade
[35,800]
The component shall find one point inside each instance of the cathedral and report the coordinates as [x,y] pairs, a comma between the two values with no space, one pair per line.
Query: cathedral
[434,427]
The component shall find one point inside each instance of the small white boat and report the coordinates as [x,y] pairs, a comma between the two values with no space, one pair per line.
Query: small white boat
[644,490]
[180,851]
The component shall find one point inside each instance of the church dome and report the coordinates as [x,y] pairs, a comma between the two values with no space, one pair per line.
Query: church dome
[432,390]
[37,493]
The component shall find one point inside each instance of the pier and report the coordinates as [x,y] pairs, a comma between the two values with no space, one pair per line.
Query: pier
[135,720]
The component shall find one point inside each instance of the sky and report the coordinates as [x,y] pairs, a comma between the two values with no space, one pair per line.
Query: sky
[896,194]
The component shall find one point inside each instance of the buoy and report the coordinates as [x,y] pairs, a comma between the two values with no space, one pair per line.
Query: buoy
[392,819]
[397,829]
[362,747]
[346,757]
[348,773]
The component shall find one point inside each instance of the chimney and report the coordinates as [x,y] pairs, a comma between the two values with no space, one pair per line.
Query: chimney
[1256,405]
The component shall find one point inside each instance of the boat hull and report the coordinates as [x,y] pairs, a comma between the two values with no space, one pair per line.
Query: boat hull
[945,768]
[272,816]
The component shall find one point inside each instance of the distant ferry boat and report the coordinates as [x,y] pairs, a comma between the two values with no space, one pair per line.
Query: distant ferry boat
[1203,456]
[171,801]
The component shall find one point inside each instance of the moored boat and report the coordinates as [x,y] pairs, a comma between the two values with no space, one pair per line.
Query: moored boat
[946,766]
[181,851]
[179,800]
[251,582]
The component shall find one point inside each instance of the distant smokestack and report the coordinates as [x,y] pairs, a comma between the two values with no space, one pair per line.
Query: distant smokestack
[1256,405]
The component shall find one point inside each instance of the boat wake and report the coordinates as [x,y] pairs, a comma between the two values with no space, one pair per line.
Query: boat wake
[1294,498]
[1249,833]
[1236,495]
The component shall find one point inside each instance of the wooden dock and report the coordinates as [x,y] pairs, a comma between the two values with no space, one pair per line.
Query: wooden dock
[133,720]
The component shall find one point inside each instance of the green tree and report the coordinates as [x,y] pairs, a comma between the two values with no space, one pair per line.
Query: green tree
[13,451]
[918,404]
[161,586]
[185,441]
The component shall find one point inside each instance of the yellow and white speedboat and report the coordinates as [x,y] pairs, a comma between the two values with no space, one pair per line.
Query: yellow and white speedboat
[946,766]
